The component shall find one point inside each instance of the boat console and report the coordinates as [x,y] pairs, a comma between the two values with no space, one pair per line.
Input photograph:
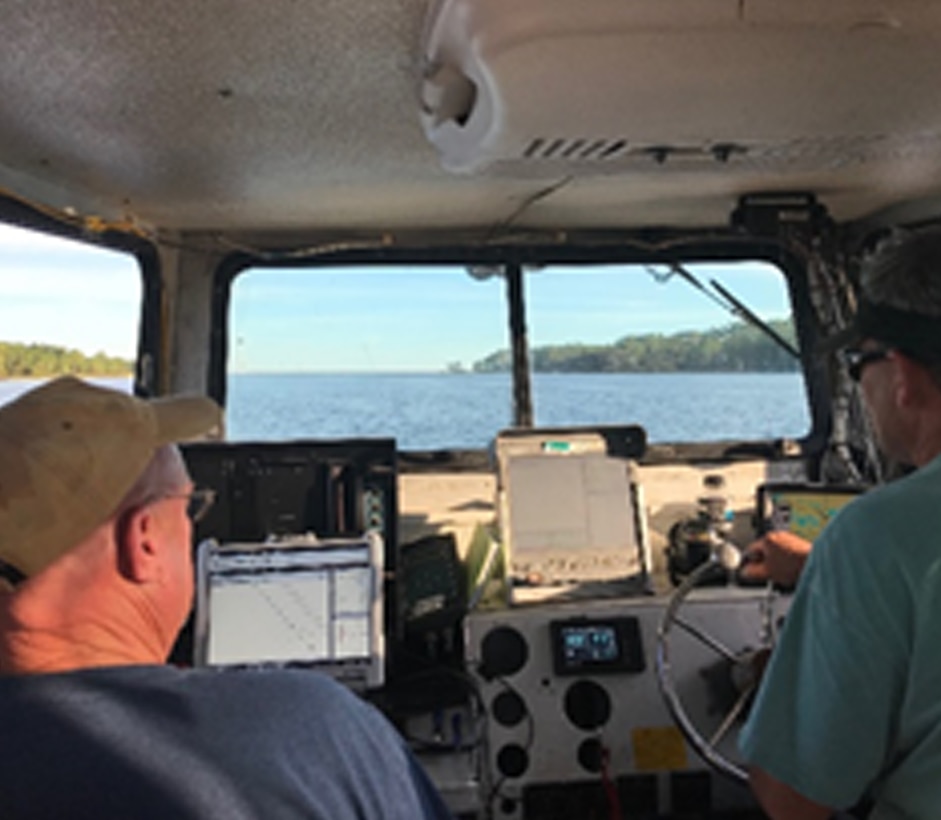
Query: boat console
[575,719]
[579,690]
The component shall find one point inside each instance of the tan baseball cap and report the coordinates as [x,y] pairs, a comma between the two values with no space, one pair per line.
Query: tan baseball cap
[70,451]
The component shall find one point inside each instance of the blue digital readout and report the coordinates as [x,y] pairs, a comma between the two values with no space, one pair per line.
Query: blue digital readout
[597,646]
[590,644]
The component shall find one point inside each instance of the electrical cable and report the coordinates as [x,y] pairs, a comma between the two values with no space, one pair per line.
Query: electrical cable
[89,224]
[610,787]
[495,791]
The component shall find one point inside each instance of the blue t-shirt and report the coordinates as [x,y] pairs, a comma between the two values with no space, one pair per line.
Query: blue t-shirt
[851,700]
[157,742]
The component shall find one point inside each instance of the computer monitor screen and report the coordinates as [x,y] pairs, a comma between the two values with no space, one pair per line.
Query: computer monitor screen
[803,509]
[293,603]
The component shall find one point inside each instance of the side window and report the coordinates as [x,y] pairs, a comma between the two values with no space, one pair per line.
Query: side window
[666,348]
[65,307]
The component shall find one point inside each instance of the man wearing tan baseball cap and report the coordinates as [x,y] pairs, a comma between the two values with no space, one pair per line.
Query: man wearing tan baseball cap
[95,534]
[69,454]
[89,478]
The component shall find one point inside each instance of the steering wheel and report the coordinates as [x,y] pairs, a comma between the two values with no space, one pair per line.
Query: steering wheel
[733,676]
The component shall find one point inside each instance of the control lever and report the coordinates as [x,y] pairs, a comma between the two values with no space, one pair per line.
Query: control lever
[702,538]
[727,554]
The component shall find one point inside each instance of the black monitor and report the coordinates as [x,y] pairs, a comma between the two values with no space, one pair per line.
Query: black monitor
[329,488]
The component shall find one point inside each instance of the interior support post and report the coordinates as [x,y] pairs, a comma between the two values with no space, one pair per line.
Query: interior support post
[522,394]
[185,315]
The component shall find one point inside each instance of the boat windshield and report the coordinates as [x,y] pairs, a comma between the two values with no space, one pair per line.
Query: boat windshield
[423,354]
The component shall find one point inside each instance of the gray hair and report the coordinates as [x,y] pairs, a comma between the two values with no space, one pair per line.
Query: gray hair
[165,474]
[904,272]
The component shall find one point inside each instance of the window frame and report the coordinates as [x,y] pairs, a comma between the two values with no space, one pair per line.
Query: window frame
[147,375]
[590,252]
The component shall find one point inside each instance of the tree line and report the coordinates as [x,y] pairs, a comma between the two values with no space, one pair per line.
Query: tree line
[39,360]
[736,347]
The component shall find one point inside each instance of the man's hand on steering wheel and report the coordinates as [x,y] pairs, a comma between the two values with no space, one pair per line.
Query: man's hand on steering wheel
[777,556]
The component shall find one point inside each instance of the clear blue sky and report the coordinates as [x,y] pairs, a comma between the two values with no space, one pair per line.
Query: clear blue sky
[64,293]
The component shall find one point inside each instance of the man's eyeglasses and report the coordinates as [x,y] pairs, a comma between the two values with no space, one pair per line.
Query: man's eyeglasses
[856,360]
[198,502]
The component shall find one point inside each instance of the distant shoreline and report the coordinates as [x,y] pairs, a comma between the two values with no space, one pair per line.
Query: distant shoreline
[36,360]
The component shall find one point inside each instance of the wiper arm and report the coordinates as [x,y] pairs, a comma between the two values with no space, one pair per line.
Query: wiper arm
[728,303]
[745,313]
[677,268]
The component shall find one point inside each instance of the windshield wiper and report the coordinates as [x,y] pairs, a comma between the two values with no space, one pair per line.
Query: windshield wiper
[745,313]
[729,303]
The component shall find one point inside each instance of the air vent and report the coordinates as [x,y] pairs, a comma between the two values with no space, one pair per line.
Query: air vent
[575,150]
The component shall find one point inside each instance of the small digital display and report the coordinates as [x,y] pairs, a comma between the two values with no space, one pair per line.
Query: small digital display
[599,645]
[589,644]
[804,510]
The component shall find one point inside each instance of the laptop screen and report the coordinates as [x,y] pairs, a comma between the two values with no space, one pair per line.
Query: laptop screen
[295,602]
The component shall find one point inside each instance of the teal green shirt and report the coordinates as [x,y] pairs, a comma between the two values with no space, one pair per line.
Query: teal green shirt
[851,700]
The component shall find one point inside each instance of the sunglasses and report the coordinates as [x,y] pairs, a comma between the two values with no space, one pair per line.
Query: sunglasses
[856,360]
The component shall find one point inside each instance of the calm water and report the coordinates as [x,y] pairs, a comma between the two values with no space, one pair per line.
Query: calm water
[431,411]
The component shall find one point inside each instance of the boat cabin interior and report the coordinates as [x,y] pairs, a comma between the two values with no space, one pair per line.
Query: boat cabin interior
[547,606]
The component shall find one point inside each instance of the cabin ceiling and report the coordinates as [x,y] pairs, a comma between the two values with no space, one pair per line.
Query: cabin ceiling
[305,117]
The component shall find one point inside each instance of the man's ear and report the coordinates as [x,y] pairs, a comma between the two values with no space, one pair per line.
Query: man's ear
[137,545]
[911,381]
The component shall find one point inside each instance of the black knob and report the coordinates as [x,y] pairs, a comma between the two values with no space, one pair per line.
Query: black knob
[503,652]
[508,708]
[589,755]
[587,705]
[512,760]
